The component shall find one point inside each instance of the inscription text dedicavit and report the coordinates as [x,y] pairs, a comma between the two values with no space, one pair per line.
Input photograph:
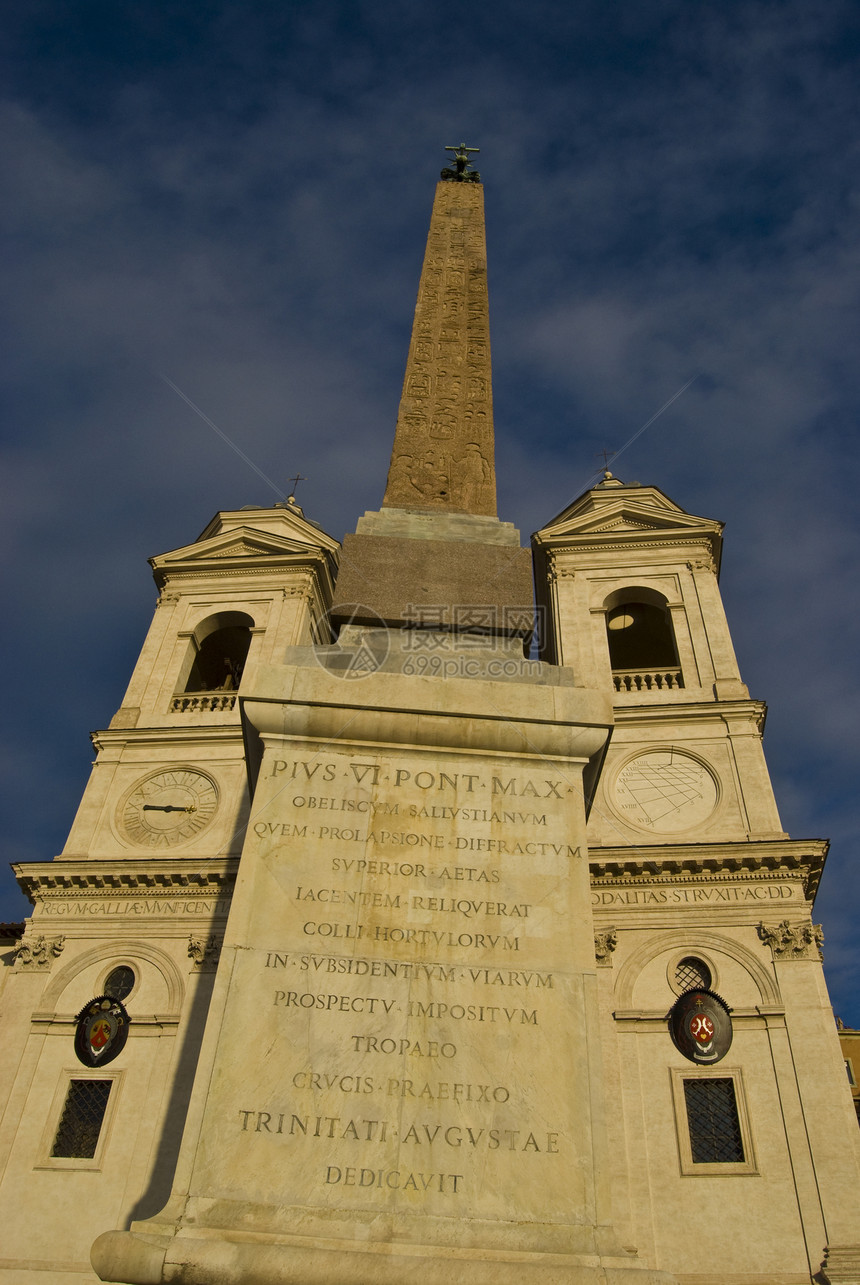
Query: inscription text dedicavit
[403,983]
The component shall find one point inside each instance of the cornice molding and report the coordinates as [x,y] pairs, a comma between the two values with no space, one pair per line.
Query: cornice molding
[169,733]
[613,537]
[629,541]
[710,862]
[693,709]
[744,1017]
[141,1026]
[38,879]
[217,571]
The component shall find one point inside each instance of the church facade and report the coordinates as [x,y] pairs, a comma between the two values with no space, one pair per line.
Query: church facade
[378,949]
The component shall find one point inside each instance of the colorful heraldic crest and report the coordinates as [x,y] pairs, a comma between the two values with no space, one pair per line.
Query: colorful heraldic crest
[101,1031]
[701,1026]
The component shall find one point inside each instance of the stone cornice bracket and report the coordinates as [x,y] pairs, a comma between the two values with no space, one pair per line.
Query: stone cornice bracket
[38,952]
[702,564]
[793,941]
[205,951]
[604,945]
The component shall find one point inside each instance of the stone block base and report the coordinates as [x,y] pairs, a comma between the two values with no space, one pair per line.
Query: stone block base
[841,1265]
[233,1259]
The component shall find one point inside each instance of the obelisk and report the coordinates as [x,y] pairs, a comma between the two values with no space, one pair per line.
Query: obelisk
[443,444]
[436,549]
[400,1077]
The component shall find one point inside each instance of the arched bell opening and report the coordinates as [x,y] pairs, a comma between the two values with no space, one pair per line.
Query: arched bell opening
[642,652]
[221,645]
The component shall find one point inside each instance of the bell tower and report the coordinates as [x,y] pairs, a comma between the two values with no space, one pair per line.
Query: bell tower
[627,583]
[697,891]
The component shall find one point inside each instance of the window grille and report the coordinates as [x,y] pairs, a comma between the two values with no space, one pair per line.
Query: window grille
[120,982]
[692,974]
[712,1117]
[81,1121]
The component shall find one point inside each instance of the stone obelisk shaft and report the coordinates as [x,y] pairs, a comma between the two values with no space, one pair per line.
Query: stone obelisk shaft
[443,456]
[436,551]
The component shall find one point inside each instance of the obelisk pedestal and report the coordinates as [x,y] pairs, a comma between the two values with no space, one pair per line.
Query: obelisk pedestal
[401,1077]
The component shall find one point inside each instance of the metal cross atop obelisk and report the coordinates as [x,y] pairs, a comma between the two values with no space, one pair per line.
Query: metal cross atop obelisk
[462,171]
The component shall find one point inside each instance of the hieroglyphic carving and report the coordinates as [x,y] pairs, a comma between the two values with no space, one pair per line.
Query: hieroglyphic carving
[38,952]
[793,941]
[443,455]
[472,476]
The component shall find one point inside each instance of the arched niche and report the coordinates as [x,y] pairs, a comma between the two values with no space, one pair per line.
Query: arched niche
[680,941]
[65,992]
[639,630]
[219,650]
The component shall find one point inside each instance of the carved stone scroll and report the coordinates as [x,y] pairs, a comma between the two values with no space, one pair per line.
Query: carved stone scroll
[793,941]
[204,951]
[38,952]
[604,946]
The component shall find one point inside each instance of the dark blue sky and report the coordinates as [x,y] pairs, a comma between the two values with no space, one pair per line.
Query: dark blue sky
[237,196]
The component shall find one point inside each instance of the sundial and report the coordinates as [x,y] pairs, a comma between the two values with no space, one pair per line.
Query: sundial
[665,790]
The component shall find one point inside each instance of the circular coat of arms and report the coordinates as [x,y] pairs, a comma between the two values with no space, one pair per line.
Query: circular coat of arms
[701,1026]
[101,1030]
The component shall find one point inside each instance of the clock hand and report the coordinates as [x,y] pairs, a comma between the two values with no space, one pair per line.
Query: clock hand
[167,807]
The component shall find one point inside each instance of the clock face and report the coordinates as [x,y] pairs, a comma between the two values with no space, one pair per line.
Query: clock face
[168,808]
[665,791]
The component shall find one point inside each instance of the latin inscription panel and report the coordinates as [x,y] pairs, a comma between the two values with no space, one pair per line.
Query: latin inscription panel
[405,1017]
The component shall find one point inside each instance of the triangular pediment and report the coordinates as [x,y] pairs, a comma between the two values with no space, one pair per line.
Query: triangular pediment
[233,544]
[246,537]
[624,510]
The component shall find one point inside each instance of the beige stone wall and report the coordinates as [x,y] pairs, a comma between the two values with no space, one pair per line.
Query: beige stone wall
[776,1212]
[52,1207]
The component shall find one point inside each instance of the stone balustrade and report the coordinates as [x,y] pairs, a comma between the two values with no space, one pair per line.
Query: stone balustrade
[202,702]
[656,680]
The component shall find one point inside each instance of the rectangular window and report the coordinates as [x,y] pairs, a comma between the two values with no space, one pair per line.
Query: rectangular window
[849,1071]
[711,1122]
[712,1118]
[81,1122]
